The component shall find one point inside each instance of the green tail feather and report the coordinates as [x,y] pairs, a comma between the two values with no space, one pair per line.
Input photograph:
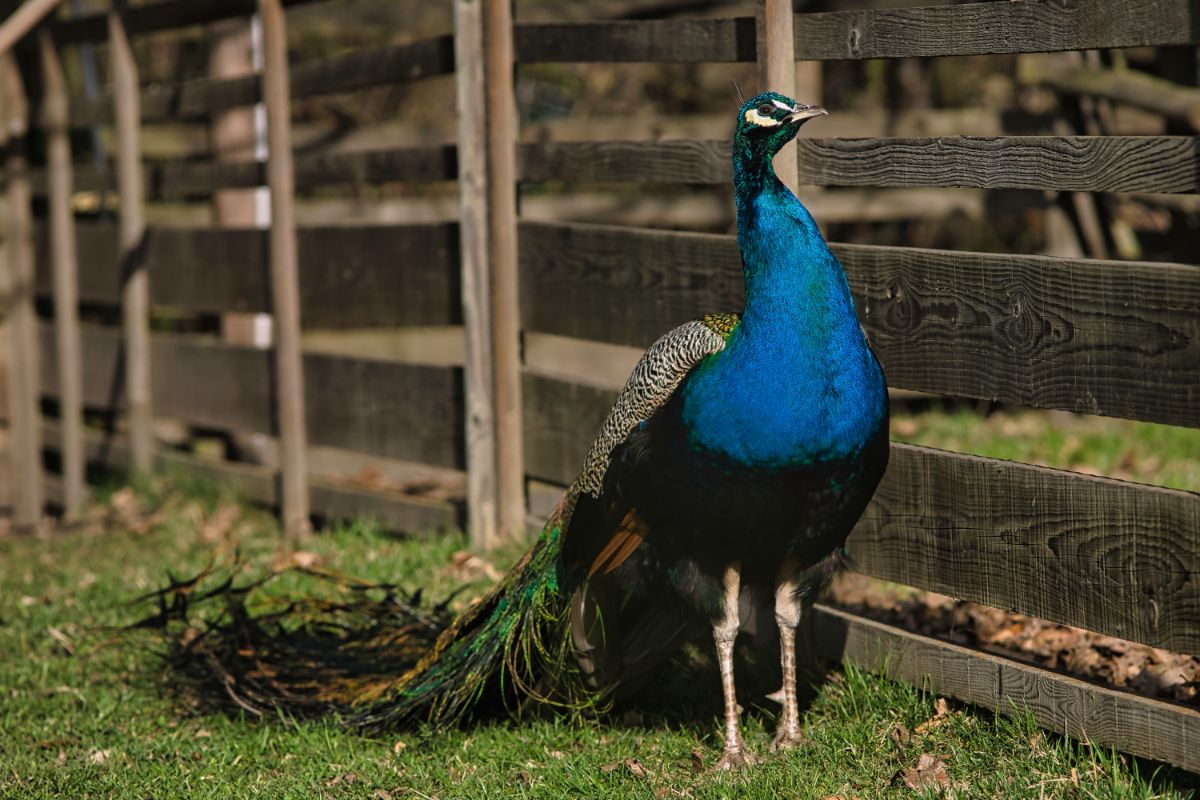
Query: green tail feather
[390,661]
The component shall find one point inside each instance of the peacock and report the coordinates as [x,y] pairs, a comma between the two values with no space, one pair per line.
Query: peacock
[721,486]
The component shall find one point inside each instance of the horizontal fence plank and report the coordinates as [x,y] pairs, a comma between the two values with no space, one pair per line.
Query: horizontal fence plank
[329,499]
[1108,717]
[1020,26]
[363,69]
[180,180]
[1100,337]
[1017,26]
[350,276]
[401,411]
[1074,163]
[657,40]
[1114,557]
[1163,164]
[157,16]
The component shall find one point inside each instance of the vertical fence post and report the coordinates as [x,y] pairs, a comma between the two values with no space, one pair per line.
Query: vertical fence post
[502,255]
[777,70]
[23,381]
[135,292]
[64,260]
[471,106]
[487,128]
[285,277]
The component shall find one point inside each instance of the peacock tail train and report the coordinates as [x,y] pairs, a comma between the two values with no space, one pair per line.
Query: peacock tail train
[377,656]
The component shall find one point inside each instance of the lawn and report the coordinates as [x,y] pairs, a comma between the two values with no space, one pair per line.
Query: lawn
[88,711]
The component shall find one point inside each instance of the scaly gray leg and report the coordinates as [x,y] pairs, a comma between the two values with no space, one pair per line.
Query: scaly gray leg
[787,617]
[725,631]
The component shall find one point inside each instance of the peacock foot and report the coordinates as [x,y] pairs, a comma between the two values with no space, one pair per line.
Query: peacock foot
[736,758]
[789,740]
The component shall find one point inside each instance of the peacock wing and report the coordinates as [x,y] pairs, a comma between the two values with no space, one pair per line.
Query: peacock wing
[617,642]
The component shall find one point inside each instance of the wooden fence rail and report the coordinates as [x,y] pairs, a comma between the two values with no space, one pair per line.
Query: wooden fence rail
[1115,338]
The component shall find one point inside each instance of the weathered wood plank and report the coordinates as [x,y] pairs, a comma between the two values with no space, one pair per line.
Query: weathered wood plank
[285,274]
[401,411]
[1100,337]
[135,292]
[1110,556]
[65,269]
[663,41]
[16,282]
[330,499]
[1118,558]
[157,16]
[1138,725]
[1168,164]
[359,70]
[502,265]
[350,276]
[1075,163]
[1024,26]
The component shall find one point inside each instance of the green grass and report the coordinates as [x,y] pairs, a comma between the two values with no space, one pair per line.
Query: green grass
[1117,448]
[103,721]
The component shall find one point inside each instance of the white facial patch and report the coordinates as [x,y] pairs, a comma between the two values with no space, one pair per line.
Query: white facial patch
[752,116]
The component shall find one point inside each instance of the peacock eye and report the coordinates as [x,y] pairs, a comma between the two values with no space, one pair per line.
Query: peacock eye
[765,110]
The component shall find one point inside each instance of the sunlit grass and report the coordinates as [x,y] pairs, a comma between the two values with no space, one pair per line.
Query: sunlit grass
[85,709]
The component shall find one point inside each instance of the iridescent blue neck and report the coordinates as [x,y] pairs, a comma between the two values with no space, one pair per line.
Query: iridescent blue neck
[796,381]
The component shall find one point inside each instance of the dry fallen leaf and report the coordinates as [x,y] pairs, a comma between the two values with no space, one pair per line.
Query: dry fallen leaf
[697,760]
[382,794]
[62,639]
[930,771]
[218,525]
[99,757]
[467,566]
[347,778]
[524,778]
[398,746]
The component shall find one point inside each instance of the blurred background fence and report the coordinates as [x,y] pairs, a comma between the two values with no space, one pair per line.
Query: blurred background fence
[1019,179]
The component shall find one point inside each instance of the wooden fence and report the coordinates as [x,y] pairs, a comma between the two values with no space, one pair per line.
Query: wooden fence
[1115,338]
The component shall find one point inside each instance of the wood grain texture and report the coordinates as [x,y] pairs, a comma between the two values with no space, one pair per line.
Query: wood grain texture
[471,90]
[1075,163]
[1108,717]
[1100,337]
[331,499]
[1114,557]
[1024,26]
[1021,26]
[1110,556]
[1165,164]
[350,276]
[401,411]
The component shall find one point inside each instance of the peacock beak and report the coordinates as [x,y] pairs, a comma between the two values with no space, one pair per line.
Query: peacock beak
[803,112]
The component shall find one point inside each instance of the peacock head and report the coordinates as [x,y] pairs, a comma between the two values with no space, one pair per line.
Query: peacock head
[767,122]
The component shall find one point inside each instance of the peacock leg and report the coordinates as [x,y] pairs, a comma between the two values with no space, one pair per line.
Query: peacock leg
[725,631]
[787,617]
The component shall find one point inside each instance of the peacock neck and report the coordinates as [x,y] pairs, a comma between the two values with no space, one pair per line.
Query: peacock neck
[796,381]
[792,279]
